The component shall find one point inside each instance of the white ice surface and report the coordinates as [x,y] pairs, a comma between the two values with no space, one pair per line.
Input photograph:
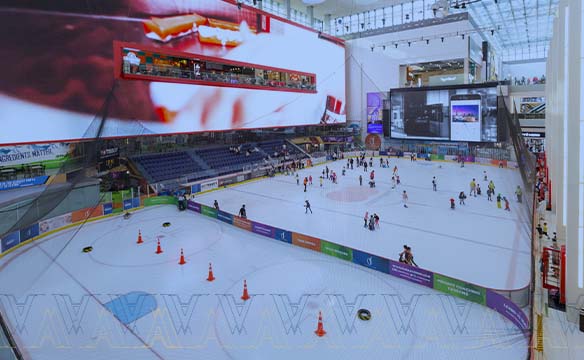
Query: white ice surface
[476,242]
[49,287]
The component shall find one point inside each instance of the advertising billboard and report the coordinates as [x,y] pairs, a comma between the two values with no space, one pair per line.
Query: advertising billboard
[267,71]
[375,112]
[445,113]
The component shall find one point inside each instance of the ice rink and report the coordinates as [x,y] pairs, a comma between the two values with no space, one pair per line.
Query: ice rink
[60,302]
[476,242]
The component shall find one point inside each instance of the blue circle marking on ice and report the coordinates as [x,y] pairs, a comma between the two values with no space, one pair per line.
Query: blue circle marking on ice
[132,306]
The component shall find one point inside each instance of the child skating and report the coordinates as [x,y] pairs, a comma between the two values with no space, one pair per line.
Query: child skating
[405,198]
[434,183]
[507,208]
[499,201]
[452,204]
[307,206]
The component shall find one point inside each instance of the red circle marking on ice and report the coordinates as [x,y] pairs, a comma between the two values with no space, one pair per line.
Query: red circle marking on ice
[352,194]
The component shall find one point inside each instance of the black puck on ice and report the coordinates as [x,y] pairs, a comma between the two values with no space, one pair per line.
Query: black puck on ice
[166,224]
[87,249]
[364,314]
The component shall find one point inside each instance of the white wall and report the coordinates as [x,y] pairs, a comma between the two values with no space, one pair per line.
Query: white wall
[565,145]
[378,70]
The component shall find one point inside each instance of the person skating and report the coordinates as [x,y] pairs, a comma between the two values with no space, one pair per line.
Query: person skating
[485,175]
[365,166]
[372,175]
[376,218]
[321,181]
[478,190]
[216,204]
[461,198]
[297,179]
[405,198]
[492,186]
[518,192]
[395,170]
[397,179]
[371,223]
[366,218]
[360,180]
[452,204]
[305,182]
[343,173]
[489,194]
[473,188]
[310,179]
[393,182]
[402,255]
[545,230]
[307,206]
[499,198]
[327,171]
[539,230]
[434,183]
[243,212]
[371,163]
[410,257]
[507,208]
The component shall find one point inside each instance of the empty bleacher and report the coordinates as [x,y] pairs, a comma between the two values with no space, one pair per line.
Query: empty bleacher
[198,164]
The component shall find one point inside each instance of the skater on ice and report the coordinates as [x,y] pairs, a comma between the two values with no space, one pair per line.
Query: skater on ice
[507,208]
[499,198]
[452,204]
[305,182]
[366,218]
[489,194]
[478,190]
[461,198]
[393,182]
[243,212]
[405,198]
[397,179]
[473,188]
[307,206]
[485,175]
[434,183]
[216,205]
[360,180]
[518,192]
[297,179]
[376,218]
[310,179]
[321,181]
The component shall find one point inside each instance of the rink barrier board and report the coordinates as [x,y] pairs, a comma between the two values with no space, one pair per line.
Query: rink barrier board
[445,284]
[455,287]
[10,242]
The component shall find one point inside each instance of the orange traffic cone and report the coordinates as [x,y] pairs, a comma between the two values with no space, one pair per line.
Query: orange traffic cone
[182,258]
[210,277]
[320,329]
[140,241]
[245,295]
[158,248]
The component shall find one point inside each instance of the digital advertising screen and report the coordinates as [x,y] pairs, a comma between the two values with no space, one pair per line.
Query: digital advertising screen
[161,67]
[375,112]
[450,113]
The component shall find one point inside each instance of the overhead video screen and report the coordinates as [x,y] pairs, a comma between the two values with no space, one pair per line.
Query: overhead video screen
[196,65]
[456,114]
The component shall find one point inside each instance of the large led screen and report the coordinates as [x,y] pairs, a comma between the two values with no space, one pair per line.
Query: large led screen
[456,114]
[62,71]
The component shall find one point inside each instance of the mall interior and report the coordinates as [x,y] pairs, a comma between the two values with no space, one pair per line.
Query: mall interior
[112,109]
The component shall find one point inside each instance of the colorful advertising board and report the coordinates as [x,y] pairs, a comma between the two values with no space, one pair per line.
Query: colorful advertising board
[375,112]
[262,229]
[22,183]
[59,221]
[225,217]
[283,235]
[371,261]
[164,82]
[193,206]
[460,289]
[306,241]
[338,251]
[160,200]
[411,273]
[51,155]
[209,211]
[9,241]
[508,309]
